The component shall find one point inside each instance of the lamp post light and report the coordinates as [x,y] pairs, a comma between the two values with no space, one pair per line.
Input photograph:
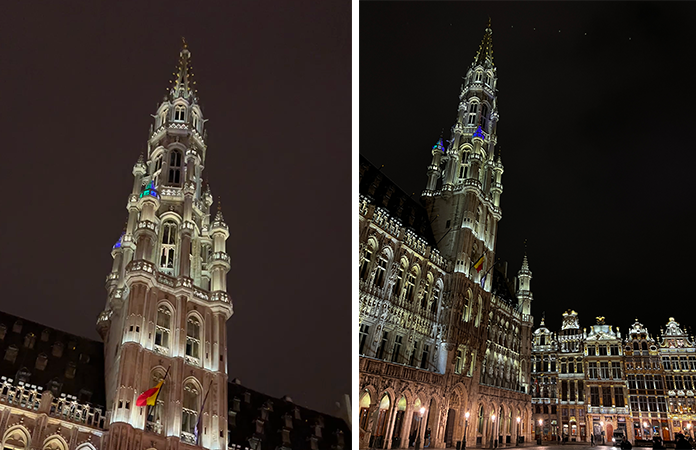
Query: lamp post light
[420,425]
[466,426]
[518,430]
[541,430]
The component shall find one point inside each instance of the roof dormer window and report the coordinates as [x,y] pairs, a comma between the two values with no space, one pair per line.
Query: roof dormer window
[180,113]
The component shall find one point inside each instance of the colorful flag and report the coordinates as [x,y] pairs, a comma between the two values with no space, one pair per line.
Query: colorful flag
[478,265]
[149,397]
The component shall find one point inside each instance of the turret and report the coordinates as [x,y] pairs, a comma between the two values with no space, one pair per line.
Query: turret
[524,293]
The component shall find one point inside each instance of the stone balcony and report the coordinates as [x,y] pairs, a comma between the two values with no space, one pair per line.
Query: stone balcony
[399,371]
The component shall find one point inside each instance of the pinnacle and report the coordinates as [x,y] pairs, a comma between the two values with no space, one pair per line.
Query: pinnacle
[484,55]
[183,83]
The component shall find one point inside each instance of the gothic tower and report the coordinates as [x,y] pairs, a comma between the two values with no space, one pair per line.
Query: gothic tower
[167,302]
[464,178]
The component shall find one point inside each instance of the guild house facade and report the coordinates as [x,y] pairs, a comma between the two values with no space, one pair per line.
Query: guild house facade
[165,318]
[636,385]
[444,336]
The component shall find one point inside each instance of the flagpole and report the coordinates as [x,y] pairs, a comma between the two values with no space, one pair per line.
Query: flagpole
[200,415]
[164,378]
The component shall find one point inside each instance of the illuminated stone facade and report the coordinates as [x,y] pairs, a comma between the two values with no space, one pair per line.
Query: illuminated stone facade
[637,386]
[436,334]
[165,315]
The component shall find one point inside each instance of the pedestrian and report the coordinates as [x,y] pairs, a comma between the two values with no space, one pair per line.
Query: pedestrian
[625,445]
[681,442]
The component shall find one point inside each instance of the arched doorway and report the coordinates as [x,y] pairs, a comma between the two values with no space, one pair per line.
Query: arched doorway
[364,409]
[381,425]
[415,422]
[399,422]
[610,433]
[451,420]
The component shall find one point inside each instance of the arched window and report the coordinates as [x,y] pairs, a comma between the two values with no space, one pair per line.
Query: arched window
[163,328]
[428,296]
[155,417]
[484,116]
[174,167]
[398,285]
[410,285]
[382,262]
[189,411]
[473,107]
[168,246]
[163,116]
[193,339]
[194,120]
[366,259]
[436,297]
[180,113]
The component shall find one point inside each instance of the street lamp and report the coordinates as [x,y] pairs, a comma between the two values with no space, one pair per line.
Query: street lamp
[541,430]
[492,428]
[466,426]
[518,430]
[420,425]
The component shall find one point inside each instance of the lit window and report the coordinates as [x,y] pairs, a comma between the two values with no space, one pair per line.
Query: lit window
[189,411]
[193,338]
[163,327]
[180,113]
[194,120]
[174,167]
[472,113]
[168,246]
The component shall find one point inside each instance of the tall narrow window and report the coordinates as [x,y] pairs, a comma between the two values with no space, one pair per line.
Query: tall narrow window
[180,113]
[193,339]
[174,167]
[381,270]
[382,345]
[364,331]
[472,114]
[424,356]
[365,260]
[163,327]
[194,120]
[396,353]
[168,246]
[163,116]
[411,284]
[399,280]
[189,412]
[458,362]
[484,116]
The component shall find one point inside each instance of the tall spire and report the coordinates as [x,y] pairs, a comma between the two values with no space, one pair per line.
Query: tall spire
[484,55]
[183,84]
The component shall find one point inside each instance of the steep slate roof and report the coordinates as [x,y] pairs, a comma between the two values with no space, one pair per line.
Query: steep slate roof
[87,355]
[385,193]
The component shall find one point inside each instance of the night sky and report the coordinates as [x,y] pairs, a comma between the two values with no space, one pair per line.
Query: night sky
[596,104]
[79,82]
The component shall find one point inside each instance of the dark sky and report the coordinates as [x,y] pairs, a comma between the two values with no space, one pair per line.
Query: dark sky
[79,81]
[596,105]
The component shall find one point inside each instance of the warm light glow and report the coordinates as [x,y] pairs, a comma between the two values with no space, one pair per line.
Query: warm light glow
[645,424]
[541,422]
[422,411]
[601,423]
[688,425]
[466,414]
[518,420]
[493,417]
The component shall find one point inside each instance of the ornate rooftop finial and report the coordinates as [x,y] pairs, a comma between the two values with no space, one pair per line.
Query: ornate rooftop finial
[600,320]
[543,317]
[218,215]
[484,55]
[183,83]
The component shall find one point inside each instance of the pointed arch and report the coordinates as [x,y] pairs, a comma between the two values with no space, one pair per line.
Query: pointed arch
[190,405]
[194,337]
[155,421]
[55,442]
[16,437]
